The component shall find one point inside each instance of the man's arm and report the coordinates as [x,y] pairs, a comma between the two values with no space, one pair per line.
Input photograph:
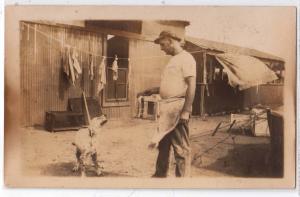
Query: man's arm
[189,97]
[149,92]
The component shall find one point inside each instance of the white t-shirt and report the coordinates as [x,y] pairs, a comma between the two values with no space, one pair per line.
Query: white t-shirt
[173,77]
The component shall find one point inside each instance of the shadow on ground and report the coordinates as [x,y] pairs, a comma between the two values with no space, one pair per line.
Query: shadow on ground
[65,169]
[249,160]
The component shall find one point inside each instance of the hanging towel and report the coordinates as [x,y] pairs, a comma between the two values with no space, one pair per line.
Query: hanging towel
[76,75]
[76,64]
[71,67]
[102,75]
[114,68]
[65,62]
[216,73]
[91,70]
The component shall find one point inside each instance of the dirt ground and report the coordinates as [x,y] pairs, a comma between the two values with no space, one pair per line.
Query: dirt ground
[123,150]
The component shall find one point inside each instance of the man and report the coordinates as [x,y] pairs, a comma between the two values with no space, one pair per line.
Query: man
[177,87]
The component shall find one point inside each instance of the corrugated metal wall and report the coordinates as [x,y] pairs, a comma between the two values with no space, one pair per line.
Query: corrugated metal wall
[117,112]
[44,87]
[272,94]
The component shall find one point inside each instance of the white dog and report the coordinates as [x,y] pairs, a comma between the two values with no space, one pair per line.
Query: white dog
[85,143]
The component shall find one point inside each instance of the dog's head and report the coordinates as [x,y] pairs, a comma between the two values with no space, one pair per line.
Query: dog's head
[97,123]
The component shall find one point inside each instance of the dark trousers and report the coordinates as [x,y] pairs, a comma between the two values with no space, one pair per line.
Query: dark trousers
[179,140]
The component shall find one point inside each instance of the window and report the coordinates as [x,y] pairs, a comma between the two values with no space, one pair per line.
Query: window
[116,91]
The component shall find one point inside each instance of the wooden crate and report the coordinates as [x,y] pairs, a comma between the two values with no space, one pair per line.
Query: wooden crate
[63,120]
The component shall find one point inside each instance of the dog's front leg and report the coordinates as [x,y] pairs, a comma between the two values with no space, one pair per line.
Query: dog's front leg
[82,164]
[97,164]
[78,155]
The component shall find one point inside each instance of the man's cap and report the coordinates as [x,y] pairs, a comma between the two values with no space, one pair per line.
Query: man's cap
[166,34]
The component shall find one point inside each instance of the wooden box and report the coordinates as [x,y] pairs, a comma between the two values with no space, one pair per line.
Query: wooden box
[63,120]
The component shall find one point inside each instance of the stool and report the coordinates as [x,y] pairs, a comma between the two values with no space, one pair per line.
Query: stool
[151,99]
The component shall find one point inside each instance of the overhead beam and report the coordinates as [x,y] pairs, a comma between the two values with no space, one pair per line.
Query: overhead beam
[99,30]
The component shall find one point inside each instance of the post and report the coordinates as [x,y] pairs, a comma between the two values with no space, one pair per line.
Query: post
[202,89]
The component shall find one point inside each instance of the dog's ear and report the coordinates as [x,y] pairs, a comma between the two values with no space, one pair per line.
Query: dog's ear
[103,123]
[103,119]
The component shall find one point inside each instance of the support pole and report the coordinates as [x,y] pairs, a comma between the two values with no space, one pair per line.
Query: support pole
[231,125]
[202,88]
[216,129]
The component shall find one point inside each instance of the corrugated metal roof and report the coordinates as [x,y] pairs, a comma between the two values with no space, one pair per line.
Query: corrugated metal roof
[229,48]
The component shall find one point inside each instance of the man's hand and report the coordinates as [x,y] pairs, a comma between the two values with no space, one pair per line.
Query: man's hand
[185,115]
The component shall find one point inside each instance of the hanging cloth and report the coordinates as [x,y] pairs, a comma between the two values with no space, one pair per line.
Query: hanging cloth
[216,73]
[114,68]
[76,64]
[91,70]
[65,62]
[102,75]
[71,67]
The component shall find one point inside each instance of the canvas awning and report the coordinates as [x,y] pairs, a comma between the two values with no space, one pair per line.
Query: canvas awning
[230,48]
[245,71]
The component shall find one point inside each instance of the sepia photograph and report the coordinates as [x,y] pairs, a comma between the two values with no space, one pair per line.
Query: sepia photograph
[150,97]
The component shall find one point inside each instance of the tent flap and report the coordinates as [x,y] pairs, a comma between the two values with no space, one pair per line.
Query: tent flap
[245,71]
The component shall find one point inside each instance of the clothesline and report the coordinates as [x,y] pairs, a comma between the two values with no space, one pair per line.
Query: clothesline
[91,53]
